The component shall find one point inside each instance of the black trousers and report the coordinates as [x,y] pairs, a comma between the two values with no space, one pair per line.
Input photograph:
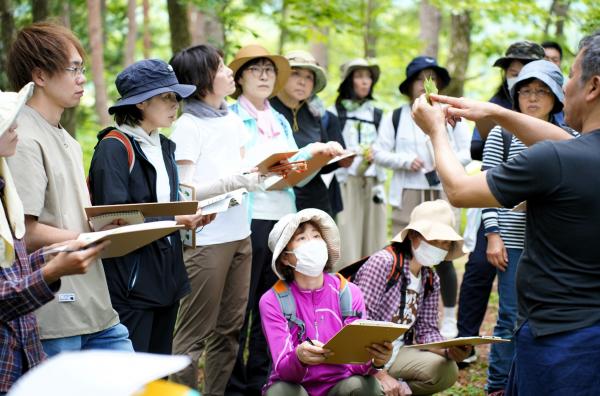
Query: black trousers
[150,330]
[475,289]
[248,378]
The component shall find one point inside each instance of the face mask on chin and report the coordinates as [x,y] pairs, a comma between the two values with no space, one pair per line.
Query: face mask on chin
[428,255]
[311,257]
[510,81]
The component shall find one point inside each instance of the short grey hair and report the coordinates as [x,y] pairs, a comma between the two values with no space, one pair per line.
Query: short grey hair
[589,46]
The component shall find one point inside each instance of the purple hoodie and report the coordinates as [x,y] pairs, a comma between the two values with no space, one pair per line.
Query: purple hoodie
[320,311]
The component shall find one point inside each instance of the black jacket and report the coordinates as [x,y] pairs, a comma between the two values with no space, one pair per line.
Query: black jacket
[155,274]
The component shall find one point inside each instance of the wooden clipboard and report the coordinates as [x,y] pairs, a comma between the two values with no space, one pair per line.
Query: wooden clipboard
[458,342]
[350,343]
[313,165]
[153,209]
[274,159]
[126,239]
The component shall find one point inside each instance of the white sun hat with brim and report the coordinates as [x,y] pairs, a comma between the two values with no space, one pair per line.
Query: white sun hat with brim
[435,221]
[11,104]
[284,229]
[305,60]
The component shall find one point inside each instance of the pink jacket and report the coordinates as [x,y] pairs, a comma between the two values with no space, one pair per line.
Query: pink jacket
[320,311]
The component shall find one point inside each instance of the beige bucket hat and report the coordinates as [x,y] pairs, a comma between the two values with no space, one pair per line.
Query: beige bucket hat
[435,221]
[249,52]
[359,63]
[305,60]
[284,229]
[11,104]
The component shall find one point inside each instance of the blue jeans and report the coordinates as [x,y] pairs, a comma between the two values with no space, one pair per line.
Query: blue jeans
[566,363]
[501,355]
[115,338]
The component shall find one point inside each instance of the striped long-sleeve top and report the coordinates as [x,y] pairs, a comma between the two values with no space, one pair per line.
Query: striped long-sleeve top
[510,225]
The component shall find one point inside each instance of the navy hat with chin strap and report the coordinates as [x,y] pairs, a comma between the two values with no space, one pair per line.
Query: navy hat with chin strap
[422,63]
[147,78]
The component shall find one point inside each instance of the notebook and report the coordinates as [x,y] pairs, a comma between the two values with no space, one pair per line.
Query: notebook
[461,341]
[222,202]
[350,343]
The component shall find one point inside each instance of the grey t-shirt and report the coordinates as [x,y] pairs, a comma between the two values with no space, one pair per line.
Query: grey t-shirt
[558,277]
[48,173]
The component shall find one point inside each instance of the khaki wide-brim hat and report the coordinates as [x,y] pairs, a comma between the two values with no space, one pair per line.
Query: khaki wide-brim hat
[435,221]
[359,63]
[284,229]
[305,60]
[249,52]
[11,104]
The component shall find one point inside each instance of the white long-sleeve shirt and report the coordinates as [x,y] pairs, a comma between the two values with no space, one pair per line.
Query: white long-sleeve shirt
[411,142]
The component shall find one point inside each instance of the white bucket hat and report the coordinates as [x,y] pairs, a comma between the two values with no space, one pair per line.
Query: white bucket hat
[435,221]
[305,60]
[283,231]
[11,104]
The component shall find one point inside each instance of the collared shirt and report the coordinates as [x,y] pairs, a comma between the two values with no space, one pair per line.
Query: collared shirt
[383,305]
[22,290]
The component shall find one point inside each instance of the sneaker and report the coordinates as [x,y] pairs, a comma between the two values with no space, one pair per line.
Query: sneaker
[449,329]
[472,358]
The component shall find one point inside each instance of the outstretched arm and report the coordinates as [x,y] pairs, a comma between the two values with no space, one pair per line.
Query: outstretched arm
[463,190]
[529,130]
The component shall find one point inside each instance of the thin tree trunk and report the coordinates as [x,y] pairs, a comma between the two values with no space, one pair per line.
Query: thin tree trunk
[97,56]
[131,32]
[147,39]
[430,21]
[561,9]
[69,117]
[320,48]
[214,30]
[7,34]
[178,25]
[283,31]
[39,10]
[460,47]
[197,26]
[370,38]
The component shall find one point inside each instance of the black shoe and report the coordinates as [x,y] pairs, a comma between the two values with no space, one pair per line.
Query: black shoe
[472,358]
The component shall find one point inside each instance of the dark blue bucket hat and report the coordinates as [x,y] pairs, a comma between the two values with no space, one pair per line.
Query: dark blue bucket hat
[548,73]
[145,79]
[421,63]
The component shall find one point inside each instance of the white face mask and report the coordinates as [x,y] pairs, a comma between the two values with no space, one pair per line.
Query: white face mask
[510,81]
[428,255]
[311,257]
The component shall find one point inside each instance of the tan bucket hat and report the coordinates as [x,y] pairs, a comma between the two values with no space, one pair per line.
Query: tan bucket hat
[249,52]
[359,63]
[284,229]
[305,60]
[435,221]
[11,104]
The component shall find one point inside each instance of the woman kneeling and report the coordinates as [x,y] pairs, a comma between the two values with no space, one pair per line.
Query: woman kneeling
[305,247]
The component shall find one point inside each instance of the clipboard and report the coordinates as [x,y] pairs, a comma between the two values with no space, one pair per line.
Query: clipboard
[188,194]
[312,165]
[274,159]
[349,344]
[458,342]
[152,209]
[126,239]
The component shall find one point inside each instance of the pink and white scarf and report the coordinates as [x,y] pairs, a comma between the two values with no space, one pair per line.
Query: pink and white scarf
[265,119]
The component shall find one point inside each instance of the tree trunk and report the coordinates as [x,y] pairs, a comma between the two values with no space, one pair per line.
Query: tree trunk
[69,116]
[178,25]
[460,47]
[197,26]
[205,27]
[97,57]
[147,39]
[131,32]
[7,35]
[430,21]
[370,38]
[561,9]
[283,31]
[39,10]
[320,48]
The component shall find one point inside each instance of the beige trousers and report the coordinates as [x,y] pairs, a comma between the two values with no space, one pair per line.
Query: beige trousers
[362,223]
[354,385]
[211,316]
[425,372]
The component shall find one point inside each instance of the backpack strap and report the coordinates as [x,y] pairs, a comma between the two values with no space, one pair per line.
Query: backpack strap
[288,307]
[396,122]
[342,115]
[377,114]
[506,143]
[120,136]
[397,265]
[346,299]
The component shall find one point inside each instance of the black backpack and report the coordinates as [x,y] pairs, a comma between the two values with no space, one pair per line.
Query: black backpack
[343,117]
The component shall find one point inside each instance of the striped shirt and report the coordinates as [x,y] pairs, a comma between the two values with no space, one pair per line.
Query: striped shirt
[510,225]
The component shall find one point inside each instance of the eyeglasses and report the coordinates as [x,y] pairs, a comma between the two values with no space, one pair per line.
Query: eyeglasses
[258,71]
[76,71]
[540,93]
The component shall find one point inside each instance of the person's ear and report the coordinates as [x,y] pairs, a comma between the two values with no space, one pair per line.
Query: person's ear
[142,106]
[288,259]
[592,89]
[39,77]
